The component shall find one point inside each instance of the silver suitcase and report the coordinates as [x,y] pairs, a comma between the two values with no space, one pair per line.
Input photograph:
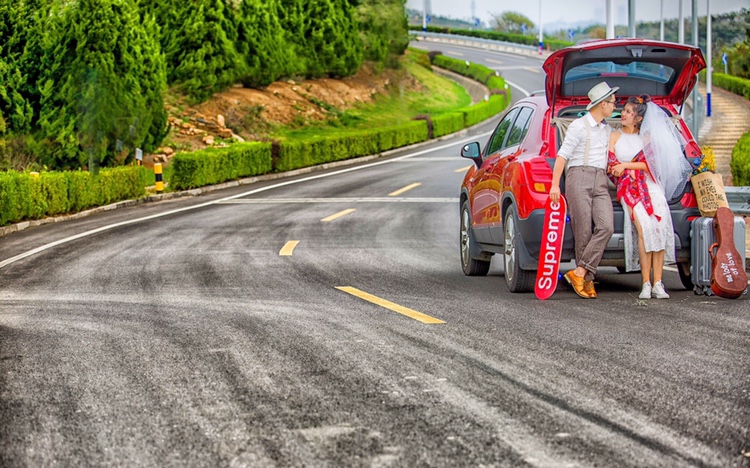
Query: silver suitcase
[702,237]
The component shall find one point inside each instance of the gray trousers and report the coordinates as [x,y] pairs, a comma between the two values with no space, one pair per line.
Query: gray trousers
[591,216]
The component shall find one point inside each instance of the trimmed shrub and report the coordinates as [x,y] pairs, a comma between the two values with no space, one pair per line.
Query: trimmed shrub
[445,124]
[739,86]
[25,195]
[297,154]
[216,165]
[740,163]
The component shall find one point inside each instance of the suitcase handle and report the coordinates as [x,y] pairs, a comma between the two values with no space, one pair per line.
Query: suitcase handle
[712,251]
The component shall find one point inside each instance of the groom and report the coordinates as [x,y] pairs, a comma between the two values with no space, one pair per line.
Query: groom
[584,151]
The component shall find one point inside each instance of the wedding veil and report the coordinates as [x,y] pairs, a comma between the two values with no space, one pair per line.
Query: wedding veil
[663,149]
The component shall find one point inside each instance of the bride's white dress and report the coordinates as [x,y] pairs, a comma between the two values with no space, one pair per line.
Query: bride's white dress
[657,234]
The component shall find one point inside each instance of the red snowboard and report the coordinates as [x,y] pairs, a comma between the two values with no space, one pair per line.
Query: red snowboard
[550,248]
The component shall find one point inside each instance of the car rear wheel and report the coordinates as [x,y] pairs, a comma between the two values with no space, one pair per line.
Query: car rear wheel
[518,280]
[683,269]
[470,266]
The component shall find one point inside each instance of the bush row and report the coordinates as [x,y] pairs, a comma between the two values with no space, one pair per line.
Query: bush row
[216,165]
[740,163]
[739,86]
[30,195]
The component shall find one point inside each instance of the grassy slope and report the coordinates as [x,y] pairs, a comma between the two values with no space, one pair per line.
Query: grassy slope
[438,95]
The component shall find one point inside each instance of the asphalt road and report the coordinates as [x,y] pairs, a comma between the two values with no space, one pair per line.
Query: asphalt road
[205,336]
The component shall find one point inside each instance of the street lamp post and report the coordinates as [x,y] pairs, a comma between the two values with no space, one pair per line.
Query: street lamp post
[424,15]
[681,26]
[661,25]
[541,34]
[710,70]
[694,31]
[631,18]
[610,20]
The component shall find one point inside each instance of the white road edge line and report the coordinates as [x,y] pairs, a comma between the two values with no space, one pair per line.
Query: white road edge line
[526,93]
[42,248]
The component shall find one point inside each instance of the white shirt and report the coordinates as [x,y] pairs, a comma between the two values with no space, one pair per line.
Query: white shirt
[573,148]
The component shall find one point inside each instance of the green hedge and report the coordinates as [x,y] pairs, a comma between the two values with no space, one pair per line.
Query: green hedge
[445,124]
[216,165]
[25,195]
[297,154]
[739,86]
[740,163]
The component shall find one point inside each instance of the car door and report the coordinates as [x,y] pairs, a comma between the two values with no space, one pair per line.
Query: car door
[507,155]
[485,193]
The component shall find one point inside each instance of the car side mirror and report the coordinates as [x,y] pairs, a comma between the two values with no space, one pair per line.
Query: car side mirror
[471,151]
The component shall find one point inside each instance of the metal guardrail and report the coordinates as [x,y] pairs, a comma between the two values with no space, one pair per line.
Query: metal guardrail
[738,199]
[512,47]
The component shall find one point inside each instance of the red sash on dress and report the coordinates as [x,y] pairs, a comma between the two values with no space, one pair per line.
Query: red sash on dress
[631,185]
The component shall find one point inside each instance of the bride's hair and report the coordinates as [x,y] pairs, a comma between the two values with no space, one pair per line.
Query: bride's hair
[640,104]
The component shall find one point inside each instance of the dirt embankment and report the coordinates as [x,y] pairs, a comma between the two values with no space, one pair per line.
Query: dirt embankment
[246,114]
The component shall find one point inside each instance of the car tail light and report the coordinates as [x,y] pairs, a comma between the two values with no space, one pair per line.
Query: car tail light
[688,200]
[540,175]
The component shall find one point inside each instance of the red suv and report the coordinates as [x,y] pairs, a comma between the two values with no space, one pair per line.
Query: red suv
[503,195]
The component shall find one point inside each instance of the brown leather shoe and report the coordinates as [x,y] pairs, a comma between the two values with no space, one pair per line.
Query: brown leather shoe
[588,288]
[577,283]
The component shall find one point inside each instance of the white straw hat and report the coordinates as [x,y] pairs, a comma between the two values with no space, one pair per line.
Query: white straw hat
[599,93]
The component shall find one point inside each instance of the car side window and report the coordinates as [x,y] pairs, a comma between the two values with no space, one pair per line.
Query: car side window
[496,142]
[520,126]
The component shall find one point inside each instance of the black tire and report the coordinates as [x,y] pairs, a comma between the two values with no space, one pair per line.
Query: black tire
[470,266]
[683,269]
[518,280]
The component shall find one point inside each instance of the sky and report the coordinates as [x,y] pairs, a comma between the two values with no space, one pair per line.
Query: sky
[570,12]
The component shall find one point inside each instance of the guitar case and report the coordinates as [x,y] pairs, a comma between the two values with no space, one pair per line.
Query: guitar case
[728,276]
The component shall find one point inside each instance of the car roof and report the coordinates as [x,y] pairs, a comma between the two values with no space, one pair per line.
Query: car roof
[664,70]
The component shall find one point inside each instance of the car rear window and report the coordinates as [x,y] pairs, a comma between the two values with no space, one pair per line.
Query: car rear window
[640,70]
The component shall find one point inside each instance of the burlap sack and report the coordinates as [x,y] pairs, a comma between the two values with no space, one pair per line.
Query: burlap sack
[709,190]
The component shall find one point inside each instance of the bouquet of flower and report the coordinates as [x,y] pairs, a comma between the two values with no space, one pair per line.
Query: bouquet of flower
[705,162]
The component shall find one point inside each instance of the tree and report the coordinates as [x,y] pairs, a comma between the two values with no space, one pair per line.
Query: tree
[102,84]
[383,30]
[324,36]
[202,58]
[261,43]
[21,33]
[512,22]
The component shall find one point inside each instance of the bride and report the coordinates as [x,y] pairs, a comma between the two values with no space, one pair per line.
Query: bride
[649,168]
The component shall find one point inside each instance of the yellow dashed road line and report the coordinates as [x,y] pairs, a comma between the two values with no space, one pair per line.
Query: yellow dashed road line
[463,169]
[405,189]
[338,215]
[288,248]
[418,316]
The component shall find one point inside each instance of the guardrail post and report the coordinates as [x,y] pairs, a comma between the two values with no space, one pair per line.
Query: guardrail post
[157,173]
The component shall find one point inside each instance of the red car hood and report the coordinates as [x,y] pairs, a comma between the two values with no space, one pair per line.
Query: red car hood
[666,71]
